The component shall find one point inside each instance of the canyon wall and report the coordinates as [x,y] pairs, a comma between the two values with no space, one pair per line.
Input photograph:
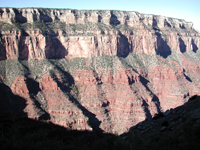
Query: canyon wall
[97,70]
[51,33]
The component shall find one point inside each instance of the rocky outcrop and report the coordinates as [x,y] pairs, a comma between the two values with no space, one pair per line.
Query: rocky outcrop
[174,125]
[173,120]
[56,33]
[108,17]
[97,70]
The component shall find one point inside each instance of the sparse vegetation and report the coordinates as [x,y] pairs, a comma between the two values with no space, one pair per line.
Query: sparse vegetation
[6,27]
[50,28]
[75,90]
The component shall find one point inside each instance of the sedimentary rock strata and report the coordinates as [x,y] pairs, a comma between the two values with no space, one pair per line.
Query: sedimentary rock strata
[97,70]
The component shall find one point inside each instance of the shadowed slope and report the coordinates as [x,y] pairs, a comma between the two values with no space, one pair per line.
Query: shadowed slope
[93,121]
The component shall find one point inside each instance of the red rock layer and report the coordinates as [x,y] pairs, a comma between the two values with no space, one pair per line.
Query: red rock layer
[37,46]
[163,74]
[116,100]
[123,32]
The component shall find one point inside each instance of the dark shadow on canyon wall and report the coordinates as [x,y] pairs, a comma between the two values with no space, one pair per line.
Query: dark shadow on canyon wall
[155,99]
[182,45]
[34,89]
[2,48]
[154,22]
[18,131]
[194,46]
[155,25]
[101,95]
[144,103]
[14,124]
[11,104]
[23,49]
[162,47]
[146,109]
[99,18]
[123,46]
[44,15]
[19,17]
[113,19]
[127,19]
[54,48]
[144,82]
[166,23]
[66,89]
[188,78]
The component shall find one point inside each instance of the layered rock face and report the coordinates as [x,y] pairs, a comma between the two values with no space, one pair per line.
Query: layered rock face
[51,33]
[97,70]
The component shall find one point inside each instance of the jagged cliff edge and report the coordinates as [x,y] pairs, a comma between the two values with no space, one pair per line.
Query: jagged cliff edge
[82,33]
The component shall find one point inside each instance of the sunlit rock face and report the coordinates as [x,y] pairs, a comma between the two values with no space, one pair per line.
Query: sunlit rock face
[97,70]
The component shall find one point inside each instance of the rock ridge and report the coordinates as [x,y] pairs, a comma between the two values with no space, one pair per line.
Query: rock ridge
[37,33]
[109,17]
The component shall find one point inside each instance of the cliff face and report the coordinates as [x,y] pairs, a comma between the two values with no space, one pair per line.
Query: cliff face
[97,70]
[51,33]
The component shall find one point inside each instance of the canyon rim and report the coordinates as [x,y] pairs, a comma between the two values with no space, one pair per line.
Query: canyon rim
[96,70]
